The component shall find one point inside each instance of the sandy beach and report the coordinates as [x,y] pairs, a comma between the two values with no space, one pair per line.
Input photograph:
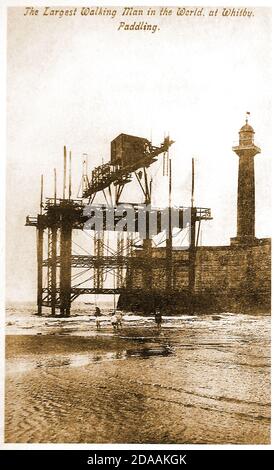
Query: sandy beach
[200,380]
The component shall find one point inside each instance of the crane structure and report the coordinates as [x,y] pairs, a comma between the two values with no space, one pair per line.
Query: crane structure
[59,269]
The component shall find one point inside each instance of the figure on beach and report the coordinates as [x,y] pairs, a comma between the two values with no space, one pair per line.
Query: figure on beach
[158,319]
[114,320]
[97,315]
[119,317]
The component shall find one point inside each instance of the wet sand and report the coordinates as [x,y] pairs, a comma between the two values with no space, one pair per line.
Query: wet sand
[198,381]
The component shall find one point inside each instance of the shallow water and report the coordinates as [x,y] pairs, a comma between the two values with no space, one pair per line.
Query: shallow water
[199,380]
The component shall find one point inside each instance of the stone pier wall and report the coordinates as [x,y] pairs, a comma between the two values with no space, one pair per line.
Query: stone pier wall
[228,278]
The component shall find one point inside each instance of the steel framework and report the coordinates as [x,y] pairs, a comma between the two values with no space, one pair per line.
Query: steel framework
[59,218]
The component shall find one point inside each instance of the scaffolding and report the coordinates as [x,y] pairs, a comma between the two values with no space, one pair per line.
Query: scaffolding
[61,269]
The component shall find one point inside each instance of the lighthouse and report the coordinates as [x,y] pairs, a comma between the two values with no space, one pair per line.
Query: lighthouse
[246,151]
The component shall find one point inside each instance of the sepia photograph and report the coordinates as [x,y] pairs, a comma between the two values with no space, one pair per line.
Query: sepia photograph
[138,225]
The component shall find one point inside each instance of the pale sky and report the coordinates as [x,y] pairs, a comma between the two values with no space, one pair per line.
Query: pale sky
[80,82]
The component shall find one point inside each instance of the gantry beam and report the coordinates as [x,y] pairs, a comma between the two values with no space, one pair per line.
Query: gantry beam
[86,261]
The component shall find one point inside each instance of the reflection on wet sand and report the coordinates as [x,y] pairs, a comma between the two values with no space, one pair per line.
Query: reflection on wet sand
[197,381]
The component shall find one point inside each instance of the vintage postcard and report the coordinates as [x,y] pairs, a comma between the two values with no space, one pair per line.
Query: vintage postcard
[138,224]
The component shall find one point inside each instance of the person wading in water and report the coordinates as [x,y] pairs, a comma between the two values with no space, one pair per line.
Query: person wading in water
[97,315]
[114,320]
[158,319]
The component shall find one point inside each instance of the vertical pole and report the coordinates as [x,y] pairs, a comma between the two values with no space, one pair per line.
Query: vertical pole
[116,195]
[65,172]
[41,194]
[198,233]
[55,186]
[40,232]
[192,182]
[115,277]
[129,271]
[69,174]
[53,268]
[65,266]
[169,273]
[192,247]
[83,172]
[53,253]
[147,189]
[169,192]
[99,253]
[147,246]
